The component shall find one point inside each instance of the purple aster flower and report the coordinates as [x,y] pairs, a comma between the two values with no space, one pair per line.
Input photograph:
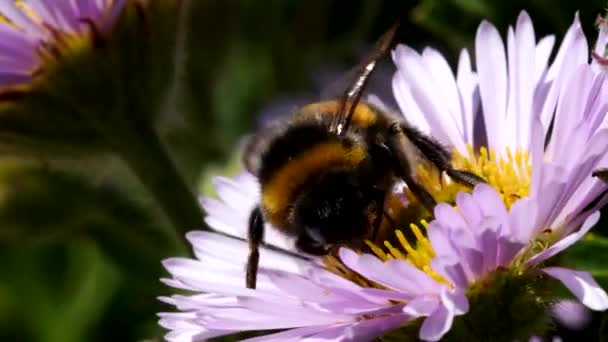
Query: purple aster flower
[482,272]
[503,111]
[466,247]
[30,29]
[480,239]
[293,292]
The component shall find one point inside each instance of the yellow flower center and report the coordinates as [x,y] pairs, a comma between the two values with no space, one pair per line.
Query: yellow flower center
[510,175]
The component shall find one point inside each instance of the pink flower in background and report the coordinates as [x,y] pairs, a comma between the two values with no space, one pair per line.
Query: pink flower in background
[32,26]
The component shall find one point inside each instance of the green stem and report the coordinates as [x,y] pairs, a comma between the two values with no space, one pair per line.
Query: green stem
[150,162]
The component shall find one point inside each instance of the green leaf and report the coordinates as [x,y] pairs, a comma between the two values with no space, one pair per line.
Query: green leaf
[56,286]
[41,205]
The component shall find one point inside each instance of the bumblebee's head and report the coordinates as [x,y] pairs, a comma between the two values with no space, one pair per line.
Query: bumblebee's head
[334,209]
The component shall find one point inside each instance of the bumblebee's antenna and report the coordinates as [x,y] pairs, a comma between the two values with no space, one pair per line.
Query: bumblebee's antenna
[353,95]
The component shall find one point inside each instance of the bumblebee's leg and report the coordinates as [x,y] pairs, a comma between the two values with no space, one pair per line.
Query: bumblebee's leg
[401,150]
[439,156]
[255,236]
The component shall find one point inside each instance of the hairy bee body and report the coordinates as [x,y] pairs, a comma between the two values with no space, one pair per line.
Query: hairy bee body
[321,187]
[325,172]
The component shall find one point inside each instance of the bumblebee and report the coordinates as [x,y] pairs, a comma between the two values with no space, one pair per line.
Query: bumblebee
[326,171]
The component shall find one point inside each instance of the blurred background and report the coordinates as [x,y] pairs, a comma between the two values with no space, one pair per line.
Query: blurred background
[81,239]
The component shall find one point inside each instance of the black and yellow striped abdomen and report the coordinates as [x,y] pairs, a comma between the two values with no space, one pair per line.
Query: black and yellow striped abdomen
[305,150]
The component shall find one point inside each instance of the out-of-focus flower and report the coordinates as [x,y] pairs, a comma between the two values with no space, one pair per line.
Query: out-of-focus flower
[92,76]
[571,314]
[31,31]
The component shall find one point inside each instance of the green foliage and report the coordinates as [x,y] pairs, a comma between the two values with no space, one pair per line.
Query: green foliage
[109,245]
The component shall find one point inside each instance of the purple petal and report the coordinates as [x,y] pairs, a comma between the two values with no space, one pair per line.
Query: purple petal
[287,311]
[9,78]
[67,11]
[230,191]
[440,321]
[436,325]
[507,250]
[14,44]
[572,314]
[492,71]
[396,274]
[565,242]
[45,13]
[522,216]
[443,79]
[424,92]
[422,306]
[369,329]
[543,52]
[489,201]
[211,246]
[469,208]
[522,74]
[452,270]
[297,334]
[440,240]
[489,246]
[582,285]
[403,93]
[467,84]
[448,216]
[572,52]
[16,15]
[455,300]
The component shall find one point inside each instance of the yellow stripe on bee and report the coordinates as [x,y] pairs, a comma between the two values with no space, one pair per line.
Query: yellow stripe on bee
[278,192]
[364,115]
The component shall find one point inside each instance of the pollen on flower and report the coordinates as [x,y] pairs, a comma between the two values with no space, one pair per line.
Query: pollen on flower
[510,174]
[418,254]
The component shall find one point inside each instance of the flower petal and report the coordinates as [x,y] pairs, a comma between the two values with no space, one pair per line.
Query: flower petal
[422,306]
[582,285]
[440,321]
[522,216]
[565,242]
[395,274]
[492,70]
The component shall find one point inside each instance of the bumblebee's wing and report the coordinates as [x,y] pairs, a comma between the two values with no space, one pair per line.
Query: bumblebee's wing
[352,96]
